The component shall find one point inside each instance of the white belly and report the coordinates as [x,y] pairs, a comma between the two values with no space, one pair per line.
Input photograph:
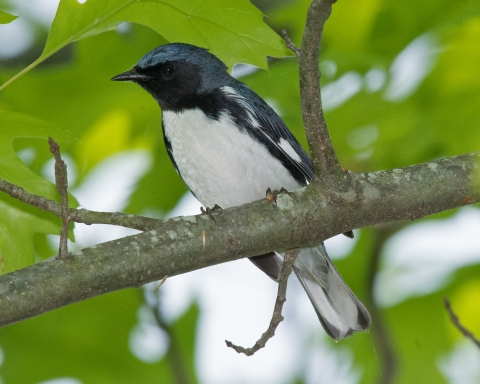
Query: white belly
[220,164]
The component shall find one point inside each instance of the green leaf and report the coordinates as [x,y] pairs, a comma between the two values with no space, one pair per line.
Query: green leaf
[232,29]
[6,18]
[12,169]
[18,225]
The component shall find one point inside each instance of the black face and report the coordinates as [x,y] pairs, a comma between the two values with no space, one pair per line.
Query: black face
[178,75]
[171,83]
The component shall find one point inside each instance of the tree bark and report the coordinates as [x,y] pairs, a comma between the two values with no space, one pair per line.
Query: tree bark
[175,246]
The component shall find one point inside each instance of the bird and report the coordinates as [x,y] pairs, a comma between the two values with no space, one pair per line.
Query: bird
[229,146]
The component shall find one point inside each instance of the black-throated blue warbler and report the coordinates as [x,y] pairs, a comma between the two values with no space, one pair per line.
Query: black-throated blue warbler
[229,146]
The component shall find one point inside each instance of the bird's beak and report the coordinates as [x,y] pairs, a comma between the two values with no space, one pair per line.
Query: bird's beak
[131,75]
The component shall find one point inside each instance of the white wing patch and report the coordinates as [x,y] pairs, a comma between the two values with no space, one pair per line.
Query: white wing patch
[230,92]
[289,150]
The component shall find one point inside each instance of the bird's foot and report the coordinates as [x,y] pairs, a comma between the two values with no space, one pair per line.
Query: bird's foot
[209,211]
[272,195]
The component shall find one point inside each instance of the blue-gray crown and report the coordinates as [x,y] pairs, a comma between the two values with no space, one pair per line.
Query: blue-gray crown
[180,51]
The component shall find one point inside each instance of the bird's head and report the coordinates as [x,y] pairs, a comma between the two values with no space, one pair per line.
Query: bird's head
[176,73]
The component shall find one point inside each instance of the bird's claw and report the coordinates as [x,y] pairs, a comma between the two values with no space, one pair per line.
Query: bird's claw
[209,211]
[272,195]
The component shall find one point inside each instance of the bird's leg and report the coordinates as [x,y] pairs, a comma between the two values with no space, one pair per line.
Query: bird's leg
[272,195]
[209,211]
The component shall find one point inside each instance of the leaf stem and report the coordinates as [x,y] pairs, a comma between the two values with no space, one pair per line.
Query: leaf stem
[21,73]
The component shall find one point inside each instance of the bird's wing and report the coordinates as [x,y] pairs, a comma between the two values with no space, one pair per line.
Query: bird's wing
[267,127]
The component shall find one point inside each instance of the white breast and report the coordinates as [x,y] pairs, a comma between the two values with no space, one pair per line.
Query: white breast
[220,164]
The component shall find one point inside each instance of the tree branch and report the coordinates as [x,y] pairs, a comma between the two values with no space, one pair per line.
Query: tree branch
[455,320]
[327,169]
[289,43]
[277,317]
[61,181]
[83,216]
[175,246]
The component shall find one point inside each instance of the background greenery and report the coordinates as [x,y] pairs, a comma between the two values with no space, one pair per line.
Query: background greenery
[401,86]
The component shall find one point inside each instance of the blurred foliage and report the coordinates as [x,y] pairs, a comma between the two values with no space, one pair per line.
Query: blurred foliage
[90,341]
[400,86]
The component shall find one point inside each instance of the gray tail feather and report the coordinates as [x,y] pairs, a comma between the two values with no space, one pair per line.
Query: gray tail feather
[270,263]
[337,307]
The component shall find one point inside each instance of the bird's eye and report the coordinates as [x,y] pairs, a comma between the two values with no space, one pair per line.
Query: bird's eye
[167,71]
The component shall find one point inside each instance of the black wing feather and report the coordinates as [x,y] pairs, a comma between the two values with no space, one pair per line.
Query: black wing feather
[271,130]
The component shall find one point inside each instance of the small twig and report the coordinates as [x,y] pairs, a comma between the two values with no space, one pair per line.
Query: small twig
[83,216]
[277,317]
[289,43]
[464,331]
[161,283]
[61,181]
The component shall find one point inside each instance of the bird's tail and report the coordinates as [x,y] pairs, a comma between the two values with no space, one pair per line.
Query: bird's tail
[337,307]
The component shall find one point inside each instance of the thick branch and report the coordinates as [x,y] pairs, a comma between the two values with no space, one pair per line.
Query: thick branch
[327,168]
[174,246]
